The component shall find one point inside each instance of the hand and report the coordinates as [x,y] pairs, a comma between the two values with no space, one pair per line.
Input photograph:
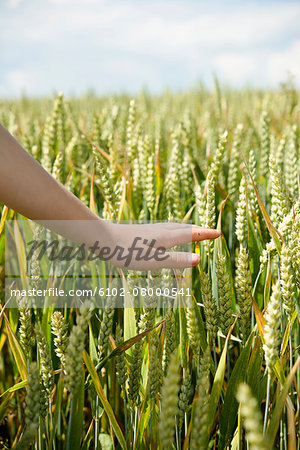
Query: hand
[59,210]
[143,247]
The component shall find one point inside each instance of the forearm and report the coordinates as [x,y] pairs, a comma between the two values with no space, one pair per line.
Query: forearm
[30,190]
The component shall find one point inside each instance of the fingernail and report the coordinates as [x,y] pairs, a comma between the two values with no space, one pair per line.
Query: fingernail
[195,259]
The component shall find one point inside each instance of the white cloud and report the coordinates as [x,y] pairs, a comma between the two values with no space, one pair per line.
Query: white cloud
[74,2]
[135,24]
[282,62]
[18,80]
[13,3]
[259,67]
[236,66]
[159,42]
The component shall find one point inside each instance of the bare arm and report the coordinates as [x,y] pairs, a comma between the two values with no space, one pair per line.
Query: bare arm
[30,190]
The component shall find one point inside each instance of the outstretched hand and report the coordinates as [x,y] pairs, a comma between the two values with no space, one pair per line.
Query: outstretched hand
[59,210]
[144,247]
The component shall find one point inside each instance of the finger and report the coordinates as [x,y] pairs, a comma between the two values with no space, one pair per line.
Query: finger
[176,226]
[200,233]
[191,234]
[180,260]
[184,226]
[163,259]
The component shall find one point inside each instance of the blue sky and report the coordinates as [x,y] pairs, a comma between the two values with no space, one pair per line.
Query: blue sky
[124,45]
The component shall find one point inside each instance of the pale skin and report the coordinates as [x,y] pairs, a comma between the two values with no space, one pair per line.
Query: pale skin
[30,190]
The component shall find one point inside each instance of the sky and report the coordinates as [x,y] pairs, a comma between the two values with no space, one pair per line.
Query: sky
[111,46]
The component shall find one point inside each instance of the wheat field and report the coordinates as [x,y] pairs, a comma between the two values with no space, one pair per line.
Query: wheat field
[222,372]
